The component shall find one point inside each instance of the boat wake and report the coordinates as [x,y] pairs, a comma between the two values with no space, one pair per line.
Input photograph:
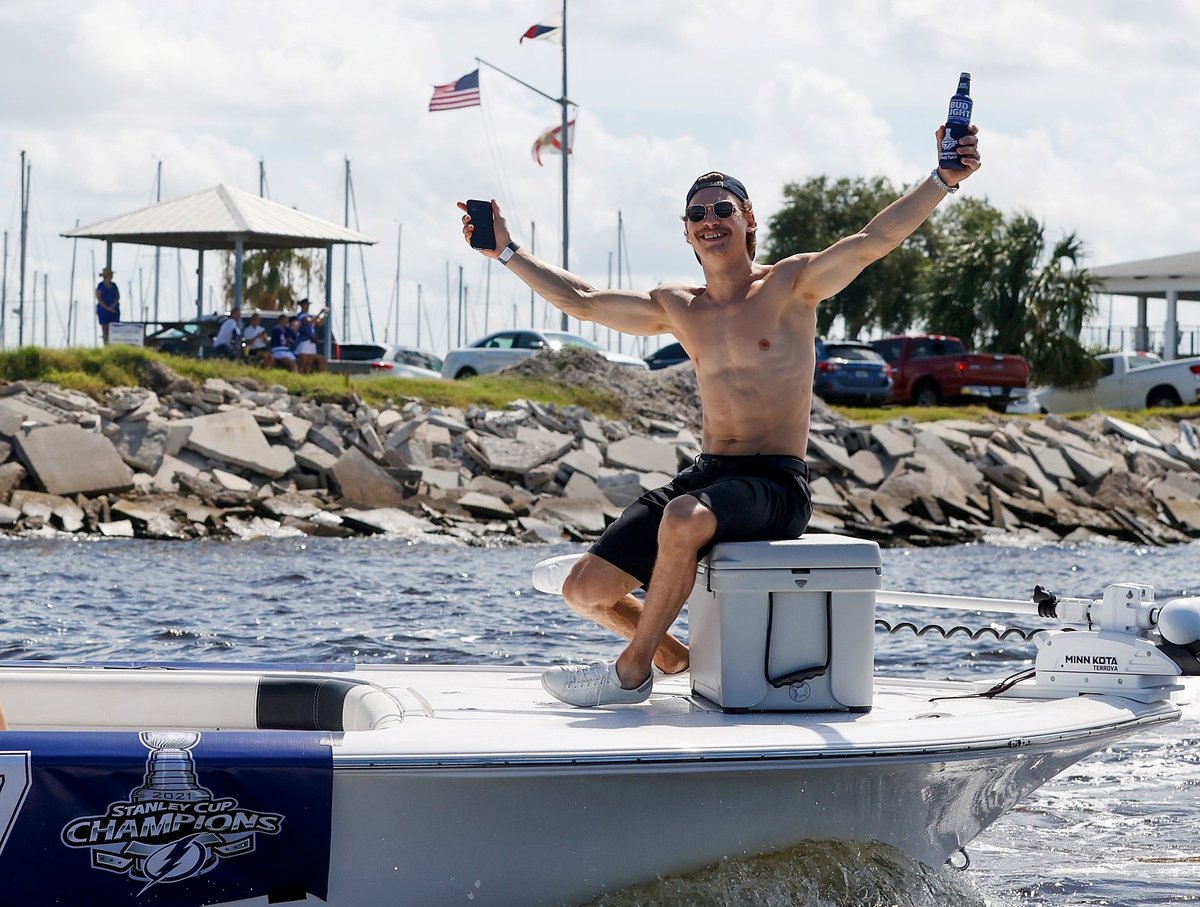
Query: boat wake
[814,874]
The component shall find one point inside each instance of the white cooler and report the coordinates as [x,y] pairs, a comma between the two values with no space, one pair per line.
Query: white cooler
[787,625]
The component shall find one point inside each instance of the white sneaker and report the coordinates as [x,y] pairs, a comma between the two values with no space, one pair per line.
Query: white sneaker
[592,685]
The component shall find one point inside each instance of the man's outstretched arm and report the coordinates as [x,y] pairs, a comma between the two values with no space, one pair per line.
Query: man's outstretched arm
[820,275]
[629,311]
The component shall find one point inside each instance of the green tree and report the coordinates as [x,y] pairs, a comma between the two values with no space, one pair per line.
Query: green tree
[272,278]
[818,213]
[998,288]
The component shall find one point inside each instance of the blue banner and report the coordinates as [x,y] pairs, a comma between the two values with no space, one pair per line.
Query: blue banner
[164,818]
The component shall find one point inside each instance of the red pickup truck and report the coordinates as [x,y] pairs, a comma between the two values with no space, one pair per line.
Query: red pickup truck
[930,369]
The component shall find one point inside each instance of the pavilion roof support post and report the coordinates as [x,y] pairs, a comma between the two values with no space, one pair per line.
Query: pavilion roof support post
[199,284]
[1171,333]
[327,352]
[1141,340]
[239,262]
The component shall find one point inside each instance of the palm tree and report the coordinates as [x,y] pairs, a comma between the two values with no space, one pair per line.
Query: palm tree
[821,211]
[270,278]
[996,288]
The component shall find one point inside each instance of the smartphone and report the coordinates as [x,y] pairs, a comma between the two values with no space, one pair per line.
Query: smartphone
[484,234]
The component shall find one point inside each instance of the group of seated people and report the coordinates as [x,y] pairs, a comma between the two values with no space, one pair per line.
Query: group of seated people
[291,344]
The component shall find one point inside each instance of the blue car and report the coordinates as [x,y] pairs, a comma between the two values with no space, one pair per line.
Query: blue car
[671,354]
[851,372]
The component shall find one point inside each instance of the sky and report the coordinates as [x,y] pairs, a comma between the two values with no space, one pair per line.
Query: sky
[1087,114]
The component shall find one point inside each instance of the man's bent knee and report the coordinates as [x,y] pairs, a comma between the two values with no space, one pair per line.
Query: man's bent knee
[687,521]
[594,585]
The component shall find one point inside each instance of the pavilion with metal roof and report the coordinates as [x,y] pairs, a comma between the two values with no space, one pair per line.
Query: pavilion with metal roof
[227,219]
[1171,277]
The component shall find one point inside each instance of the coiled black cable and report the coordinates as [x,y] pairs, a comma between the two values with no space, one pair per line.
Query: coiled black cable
[973,635]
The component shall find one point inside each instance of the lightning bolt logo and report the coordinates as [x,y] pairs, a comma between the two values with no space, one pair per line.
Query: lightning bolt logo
[172,861]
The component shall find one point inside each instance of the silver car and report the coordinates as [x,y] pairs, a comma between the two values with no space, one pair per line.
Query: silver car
[502,348]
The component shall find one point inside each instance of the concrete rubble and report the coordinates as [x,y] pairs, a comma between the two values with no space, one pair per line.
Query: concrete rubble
[230,459]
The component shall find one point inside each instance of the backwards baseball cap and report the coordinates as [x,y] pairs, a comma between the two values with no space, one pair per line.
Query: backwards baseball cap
[720,181]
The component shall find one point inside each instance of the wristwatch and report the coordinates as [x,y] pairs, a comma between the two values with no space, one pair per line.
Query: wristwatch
[509,251]
[941,183]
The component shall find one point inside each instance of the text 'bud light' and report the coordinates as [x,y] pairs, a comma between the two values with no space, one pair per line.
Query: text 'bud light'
[957,121]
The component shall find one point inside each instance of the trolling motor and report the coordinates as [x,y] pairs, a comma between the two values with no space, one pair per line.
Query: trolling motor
[1129,646]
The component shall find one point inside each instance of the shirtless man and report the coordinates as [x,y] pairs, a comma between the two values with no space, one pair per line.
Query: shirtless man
[750,331]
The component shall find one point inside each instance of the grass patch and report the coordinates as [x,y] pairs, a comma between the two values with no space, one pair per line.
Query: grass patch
[95,370]
[1145,417]
[873,415]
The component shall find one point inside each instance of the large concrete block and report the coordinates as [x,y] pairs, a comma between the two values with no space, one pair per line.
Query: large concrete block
[643,455]
[364,483]
[65,459]
[234,437]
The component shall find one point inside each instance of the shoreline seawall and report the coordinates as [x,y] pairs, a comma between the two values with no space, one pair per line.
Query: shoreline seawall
[238,458]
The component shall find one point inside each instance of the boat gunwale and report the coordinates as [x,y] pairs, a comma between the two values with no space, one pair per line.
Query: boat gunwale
[739,758]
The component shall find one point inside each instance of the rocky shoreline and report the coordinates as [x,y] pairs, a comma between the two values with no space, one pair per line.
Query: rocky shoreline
[240,459]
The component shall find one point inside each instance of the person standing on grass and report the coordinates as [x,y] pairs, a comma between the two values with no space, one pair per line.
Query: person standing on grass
[108,302]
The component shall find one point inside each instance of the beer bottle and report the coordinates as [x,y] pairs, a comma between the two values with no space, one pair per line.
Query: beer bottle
[957,121]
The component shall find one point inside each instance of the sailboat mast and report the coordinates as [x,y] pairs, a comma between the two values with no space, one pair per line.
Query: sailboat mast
[4,296]
[420,318]
[566,154]
[396,309]
[157,249]
[72,313]
[26,177]
[346,261]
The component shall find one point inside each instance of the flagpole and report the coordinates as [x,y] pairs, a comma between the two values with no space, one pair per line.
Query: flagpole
[566,154]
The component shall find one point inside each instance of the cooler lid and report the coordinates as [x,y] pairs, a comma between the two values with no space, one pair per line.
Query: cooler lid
[812,551]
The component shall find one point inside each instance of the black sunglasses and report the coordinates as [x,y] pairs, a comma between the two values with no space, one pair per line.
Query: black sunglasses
[695,213]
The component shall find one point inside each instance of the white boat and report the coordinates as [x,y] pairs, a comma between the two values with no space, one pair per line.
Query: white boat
[382,785]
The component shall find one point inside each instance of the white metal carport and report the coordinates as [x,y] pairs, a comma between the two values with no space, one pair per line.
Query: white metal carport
[1171,277]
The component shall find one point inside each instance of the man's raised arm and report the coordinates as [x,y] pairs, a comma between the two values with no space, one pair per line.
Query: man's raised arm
[820,275]
[624,310]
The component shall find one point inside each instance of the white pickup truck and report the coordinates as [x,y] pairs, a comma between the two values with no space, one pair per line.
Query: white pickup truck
[1129,381]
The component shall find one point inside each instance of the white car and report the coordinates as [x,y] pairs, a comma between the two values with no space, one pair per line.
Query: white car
[502,348]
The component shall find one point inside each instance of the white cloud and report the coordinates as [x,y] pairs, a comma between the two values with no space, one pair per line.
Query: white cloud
[1088,115]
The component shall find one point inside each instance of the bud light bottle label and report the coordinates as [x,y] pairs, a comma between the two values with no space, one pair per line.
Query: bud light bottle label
[957,121]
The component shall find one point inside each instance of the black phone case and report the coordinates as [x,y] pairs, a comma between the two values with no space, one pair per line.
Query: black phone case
[484,234]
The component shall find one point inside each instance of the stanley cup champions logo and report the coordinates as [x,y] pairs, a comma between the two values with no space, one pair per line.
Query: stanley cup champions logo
[171,828]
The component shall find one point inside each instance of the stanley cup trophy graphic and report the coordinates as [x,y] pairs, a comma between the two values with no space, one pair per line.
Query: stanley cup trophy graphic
[170,769]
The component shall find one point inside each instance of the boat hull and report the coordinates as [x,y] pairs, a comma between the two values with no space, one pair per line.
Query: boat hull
[564,836]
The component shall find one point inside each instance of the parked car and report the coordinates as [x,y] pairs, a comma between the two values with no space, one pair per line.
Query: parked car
[671,354]
[851,372]
[1128,381]
[502,348]
[932,368]
[384,361]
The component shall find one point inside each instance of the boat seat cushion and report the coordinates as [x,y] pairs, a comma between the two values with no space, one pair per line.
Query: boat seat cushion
[73,697]
[320,704]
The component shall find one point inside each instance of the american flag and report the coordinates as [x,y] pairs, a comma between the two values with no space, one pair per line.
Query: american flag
[452,95]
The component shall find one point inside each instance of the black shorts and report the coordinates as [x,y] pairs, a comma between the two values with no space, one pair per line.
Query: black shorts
[754,498]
